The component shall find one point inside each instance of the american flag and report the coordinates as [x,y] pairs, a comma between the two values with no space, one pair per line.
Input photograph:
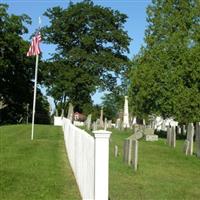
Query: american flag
[35,48]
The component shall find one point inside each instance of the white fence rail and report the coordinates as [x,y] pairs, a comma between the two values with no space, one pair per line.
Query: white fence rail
[88,157]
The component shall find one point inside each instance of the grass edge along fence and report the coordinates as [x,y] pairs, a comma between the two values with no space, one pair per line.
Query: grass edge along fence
[89,159]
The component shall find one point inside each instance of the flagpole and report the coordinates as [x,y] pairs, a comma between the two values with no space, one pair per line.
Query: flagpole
[34,97]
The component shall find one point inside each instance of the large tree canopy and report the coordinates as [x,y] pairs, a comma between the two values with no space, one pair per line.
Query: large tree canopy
[91,46]
[165,77]
[16,70]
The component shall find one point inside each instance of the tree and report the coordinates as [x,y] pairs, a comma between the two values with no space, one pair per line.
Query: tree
[16,70]
[91,43]
[165,77]
[113,103]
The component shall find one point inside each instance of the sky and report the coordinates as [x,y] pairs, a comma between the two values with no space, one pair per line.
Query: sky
[135,25]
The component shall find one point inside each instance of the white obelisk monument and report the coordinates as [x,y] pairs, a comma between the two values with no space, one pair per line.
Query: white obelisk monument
[126,114]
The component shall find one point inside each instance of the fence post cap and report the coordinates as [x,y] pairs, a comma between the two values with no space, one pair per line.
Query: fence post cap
[102,134]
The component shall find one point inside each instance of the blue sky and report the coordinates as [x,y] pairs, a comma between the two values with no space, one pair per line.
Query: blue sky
[134,9]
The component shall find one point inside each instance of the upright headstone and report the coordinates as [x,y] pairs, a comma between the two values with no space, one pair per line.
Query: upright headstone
[94,126]
[183,130]
[173,137]
[105,124]
[101,118]
[70,112]
[126,114]
[135,154]
[190,137]
[116,151]
[62,114]
[127,151]
[197,133]
[186,147]
[109,124]
[169,135]
[88,121]
[118,123]
[56,112]
[179,130]
[98,123]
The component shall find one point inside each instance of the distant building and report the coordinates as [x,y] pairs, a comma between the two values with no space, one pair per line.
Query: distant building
[79,117]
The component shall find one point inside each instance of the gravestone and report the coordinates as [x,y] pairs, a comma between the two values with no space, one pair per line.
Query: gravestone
[94,126]
[183,130]
[116,151]
[173,137]
[62,113]
[101,118]
[126,114]
[190,137]
[186,147]
[127,151]
[109,124]
[169,135]
[105,124]
[197,133]
[135,154]
[151,138]
[148,131]
[70,112]
[98,123]
[88,121]
[118,123]
[179,130]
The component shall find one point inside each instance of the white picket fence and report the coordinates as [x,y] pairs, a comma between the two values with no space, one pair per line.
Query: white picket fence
[89,158]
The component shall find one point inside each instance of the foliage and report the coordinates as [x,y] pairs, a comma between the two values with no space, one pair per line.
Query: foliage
[165,77]
[113,103]
[91,43]
[16,70]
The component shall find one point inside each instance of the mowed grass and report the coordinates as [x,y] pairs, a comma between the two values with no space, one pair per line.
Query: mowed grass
[163,173]
[34,170]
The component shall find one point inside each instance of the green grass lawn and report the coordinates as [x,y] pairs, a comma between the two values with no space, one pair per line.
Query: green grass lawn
[34,170]
[163,173]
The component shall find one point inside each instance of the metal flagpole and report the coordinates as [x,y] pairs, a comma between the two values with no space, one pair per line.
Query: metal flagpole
[35,89]
[34,98]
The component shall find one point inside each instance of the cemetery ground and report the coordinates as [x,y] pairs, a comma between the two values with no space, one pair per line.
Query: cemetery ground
[163,172]
[39,169]
[35,170]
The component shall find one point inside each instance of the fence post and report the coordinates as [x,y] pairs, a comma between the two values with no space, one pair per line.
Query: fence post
[101,163]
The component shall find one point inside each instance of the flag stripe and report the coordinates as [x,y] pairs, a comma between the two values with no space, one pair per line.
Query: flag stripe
[35,48]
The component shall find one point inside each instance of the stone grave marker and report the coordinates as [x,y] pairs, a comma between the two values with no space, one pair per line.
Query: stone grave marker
[101,119]
[88,121]
[127,151]
[135,154]
[151,138]
[197,133]
[169,135]
[173,137]
[186,147]
[105,124]
[148,131]
[190,137]
[70,112]
[94,126]
[183,130]
[116,151]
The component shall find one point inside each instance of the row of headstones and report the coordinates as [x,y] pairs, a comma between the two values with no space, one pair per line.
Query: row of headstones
[98,124]
[188,145]
[130,152]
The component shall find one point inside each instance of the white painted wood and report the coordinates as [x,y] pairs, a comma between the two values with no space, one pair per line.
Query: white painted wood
[89,158]
[58,121]
[101,164]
